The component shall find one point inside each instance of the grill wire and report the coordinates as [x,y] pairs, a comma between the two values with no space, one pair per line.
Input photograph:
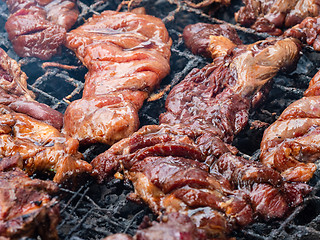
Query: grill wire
[95,211]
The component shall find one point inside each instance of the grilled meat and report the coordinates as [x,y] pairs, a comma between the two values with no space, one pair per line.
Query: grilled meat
[14,93]
[42,147]
[307,31]
[26,208]
[127,56]
[204,112]
[273,15]
[197,38]
[218,98]
[38,28]
[173,226]
[290,144]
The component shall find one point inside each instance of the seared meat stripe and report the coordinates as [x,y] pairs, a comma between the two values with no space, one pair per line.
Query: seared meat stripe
[187,164]
[27,209]
[30,128]
[291,144]
[37,28]
[127,56]
[273,15]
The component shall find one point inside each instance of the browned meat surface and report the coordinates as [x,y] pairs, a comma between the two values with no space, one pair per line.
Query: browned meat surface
[186,164]
[127,56]
[38,28]
[173,226]
[197,37]
[308,31]
[273,15]
[291,144]
[42,147]
[217,98]
[14,93]
[26,208]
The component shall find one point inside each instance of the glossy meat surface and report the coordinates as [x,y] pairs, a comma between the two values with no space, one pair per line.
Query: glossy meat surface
[291,144]
[26,208]
[42,147]
[273,16]
[308,31]
[38,28]
[14,93]
[217,98]
[127,56]
[197,37]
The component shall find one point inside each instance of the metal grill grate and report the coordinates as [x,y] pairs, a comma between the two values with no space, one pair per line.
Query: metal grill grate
[95,211]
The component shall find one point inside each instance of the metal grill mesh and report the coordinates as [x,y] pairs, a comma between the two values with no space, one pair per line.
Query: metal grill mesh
[95,211]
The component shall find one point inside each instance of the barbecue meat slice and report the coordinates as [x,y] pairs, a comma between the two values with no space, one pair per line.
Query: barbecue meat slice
[26,208]
[14,93]
[217,98]
[291,144]
[174,226]
[38,28]
[308,31]
[197,37]
[42,147]
[127,56]
[273,15]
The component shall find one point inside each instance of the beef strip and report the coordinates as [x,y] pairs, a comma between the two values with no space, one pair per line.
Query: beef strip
[127,56]
[291,144]
[38,28]
[26,208]
[274,15]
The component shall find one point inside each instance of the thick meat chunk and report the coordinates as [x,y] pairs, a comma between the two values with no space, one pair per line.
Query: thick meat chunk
[38,28]
[273,15]
[26,208]
[127,55]
[42,147]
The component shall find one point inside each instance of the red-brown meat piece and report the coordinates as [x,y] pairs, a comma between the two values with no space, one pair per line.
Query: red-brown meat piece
[38,28]
[217,98]
[308,31]
[26,208]
[273,15]
[127,56]
[291,144]
[42,147]
[197,37]
[14,93]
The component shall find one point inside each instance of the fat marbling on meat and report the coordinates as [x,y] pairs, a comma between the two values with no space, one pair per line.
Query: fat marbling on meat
[37,28]
[127,56]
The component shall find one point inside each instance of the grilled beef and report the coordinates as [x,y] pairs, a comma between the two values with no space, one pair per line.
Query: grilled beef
[127,56]
[307,31]
[14,93]
[290,144]
[38,28]
[42,147]
[273,15]
[26,208]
